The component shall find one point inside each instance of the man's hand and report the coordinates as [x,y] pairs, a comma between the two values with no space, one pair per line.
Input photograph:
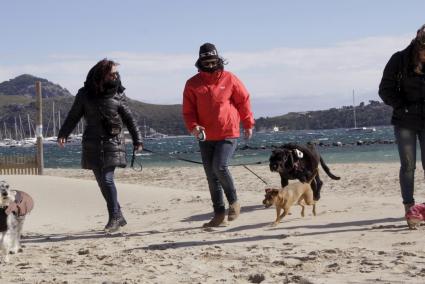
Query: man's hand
[248,133]
[197,130]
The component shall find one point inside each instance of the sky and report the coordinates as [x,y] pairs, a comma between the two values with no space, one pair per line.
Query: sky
[291,55]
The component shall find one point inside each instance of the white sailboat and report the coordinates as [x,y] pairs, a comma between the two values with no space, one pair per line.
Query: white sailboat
[355,128]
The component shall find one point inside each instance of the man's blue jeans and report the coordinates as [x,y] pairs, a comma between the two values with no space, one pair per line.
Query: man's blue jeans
[406,141]
[215,157]
[105,180]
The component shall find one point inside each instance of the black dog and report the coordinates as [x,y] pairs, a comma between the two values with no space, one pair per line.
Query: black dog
[293,161]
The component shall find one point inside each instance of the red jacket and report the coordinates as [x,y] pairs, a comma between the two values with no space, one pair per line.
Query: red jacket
[219,102]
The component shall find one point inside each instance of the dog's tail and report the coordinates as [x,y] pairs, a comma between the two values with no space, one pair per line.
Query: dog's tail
[327,170]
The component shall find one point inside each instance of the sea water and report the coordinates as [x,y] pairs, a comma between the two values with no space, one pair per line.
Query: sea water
[335,146]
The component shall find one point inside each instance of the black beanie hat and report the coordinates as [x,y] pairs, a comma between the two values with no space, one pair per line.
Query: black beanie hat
[208,51]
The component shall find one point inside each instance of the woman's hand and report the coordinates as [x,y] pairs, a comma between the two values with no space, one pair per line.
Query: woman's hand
[138,148]
[61,142]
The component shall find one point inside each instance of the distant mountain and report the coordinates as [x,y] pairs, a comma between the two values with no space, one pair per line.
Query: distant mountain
[17,103]
[24,85]
[373,114]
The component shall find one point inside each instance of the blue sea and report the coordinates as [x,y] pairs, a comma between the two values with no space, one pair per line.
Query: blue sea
[377,146]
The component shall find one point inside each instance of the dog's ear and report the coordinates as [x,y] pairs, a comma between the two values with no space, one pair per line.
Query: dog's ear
[268,190]
[275,191]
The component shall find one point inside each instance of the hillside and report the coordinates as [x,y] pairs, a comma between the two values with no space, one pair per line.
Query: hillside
[24,85]
[17,102]
[373,114]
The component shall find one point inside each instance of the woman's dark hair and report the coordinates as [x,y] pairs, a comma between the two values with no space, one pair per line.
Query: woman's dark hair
[418,44]
[96,77]
[416,63]
[220,64]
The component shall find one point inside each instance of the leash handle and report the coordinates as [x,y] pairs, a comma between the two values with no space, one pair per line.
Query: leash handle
[133,159]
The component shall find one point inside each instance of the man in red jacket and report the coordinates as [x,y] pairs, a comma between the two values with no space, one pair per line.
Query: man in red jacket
[214,103]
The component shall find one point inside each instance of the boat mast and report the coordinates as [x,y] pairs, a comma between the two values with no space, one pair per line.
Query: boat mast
[29,125]
[54,122]
[354,112]
[59,118]
[144,127]
[21,129]
[5,129]
[16,130]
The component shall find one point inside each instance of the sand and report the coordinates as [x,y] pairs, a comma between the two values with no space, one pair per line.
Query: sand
[358,236]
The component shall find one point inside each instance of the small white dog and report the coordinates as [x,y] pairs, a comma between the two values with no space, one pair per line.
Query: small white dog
[14,205]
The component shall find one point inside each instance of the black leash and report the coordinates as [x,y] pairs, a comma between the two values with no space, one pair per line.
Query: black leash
[200,163]
[174,157]
[197,162]
[255,174]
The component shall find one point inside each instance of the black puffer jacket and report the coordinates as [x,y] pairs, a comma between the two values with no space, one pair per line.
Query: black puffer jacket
[404,90]
[101,150]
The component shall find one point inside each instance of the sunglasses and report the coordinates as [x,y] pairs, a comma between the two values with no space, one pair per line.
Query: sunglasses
[209,63]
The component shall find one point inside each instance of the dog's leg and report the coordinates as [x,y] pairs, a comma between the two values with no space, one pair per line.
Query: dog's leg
[19,233]
[302,210]
[3,250]
[283,180]
[7,245]
[309,200]
[12,234]
[285,212]
[278,209]
[316,186]
[301,202]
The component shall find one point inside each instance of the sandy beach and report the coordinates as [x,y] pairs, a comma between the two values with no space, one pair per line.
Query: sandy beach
[358,236]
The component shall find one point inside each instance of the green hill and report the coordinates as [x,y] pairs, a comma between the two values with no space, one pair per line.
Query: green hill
[373,114]
[17,103]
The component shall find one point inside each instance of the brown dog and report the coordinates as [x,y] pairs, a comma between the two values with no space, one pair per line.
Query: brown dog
[284,198]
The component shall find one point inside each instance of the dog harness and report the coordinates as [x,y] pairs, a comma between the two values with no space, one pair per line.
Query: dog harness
[23,204]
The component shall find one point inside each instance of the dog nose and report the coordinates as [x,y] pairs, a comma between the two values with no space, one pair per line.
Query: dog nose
[4,194]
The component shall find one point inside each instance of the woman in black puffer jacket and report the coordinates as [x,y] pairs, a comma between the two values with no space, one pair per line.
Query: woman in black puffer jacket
[103,105]
[403,87]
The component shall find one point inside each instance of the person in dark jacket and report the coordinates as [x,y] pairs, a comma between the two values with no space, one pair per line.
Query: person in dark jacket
[103,105]
[403,88]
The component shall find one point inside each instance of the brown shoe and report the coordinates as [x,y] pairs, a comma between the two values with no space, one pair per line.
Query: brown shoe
[216,221]
[234,211]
